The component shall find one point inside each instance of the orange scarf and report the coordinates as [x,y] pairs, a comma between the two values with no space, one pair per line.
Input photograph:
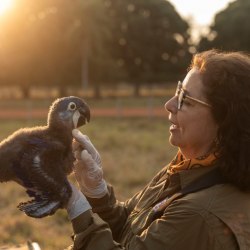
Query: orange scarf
[179,163]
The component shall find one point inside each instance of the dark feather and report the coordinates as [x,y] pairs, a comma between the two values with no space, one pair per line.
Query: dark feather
[40,158]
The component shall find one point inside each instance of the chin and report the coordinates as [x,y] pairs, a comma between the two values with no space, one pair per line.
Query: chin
[173,141]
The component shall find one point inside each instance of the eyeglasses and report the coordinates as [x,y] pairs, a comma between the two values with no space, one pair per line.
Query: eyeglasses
[180,93]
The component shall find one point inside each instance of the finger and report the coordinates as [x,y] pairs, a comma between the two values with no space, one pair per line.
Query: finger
[79,168]
[77,154]
[86,157]
[85,142]
[81,138]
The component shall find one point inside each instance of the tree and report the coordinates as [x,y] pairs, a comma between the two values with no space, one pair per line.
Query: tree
[96,40]
[65,42]
[36,44]
[56,42]
[230,30]
[150,40]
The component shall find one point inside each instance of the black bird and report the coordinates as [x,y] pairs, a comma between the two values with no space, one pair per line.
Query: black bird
[40,158]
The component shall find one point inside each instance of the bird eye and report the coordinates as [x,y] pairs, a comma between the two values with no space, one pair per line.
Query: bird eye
[72,106]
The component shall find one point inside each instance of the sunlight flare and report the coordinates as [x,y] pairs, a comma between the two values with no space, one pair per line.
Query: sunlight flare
[5,5]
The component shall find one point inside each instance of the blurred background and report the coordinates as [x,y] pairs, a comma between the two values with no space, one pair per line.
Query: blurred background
[124,58]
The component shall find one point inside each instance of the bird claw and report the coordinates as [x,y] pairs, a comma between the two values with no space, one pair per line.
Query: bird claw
[39,209]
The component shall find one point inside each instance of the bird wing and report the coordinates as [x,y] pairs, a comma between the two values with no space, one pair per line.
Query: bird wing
[39,168]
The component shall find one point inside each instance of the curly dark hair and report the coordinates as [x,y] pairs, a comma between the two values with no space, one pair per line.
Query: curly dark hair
[226,77]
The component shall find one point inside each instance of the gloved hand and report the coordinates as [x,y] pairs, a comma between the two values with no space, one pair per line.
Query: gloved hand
[87,167]
[77,203]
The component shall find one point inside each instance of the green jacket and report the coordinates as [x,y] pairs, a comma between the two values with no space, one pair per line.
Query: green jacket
[214,218]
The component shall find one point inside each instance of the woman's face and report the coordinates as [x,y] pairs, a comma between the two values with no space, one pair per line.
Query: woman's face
[193,128]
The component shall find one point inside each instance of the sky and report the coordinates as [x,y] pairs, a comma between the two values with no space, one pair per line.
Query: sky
[201,12]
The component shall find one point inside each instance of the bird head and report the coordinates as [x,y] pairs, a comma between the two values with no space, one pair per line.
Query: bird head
[68,112]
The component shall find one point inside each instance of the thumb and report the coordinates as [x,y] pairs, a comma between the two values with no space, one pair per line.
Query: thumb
[79,137]
[82,139]
[86,144]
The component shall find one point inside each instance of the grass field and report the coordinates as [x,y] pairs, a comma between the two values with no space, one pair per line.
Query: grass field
[126,102]
[132,151]
[155,95]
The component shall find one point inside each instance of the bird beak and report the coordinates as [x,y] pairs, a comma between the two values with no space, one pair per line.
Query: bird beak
[84,116]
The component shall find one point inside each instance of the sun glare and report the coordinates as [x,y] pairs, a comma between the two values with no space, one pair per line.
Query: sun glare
[5,5]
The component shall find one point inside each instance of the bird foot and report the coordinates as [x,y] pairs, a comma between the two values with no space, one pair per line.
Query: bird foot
[39,209]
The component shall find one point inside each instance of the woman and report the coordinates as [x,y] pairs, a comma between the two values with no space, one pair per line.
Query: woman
[201,200]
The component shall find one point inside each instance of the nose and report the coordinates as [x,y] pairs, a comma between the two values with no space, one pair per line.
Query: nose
[171,105]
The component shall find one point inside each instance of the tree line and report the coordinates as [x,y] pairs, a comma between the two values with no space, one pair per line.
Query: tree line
[83,43]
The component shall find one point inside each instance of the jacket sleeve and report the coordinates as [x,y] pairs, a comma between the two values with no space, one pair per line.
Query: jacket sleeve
[112,211]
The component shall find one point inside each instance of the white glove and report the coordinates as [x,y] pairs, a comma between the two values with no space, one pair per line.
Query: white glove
[77,203]
[87,167]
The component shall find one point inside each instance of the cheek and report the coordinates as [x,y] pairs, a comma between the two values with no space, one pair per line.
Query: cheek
[202,128]
[190,129]
[198,125]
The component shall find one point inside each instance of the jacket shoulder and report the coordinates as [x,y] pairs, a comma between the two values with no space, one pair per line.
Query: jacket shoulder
[225,208]
[218,196]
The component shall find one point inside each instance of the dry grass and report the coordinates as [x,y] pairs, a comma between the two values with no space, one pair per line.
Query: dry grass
[132,151]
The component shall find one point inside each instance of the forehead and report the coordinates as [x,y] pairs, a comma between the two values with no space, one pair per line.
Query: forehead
[192,83]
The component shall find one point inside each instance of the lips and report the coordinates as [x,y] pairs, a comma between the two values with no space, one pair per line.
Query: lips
[173,126]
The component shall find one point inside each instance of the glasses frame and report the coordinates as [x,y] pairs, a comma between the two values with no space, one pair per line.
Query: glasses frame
[180,93]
